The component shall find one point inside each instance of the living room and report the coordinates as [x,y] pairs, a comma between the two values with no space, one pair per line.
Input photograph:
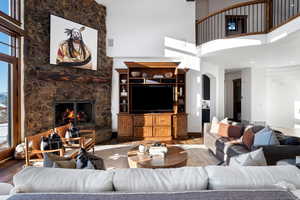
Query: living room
[140,99]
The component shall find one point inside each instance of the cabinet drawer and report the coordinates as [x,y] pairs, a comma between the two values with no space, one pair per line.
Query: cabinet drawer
[162,132]
[162,120]
[143,121]
[141,132]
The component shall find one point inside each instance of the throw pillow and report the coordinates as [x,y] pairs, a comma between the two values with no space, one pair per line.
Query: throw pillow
[265,137]
[86,160]
[248,138]
[68,164]
[214,125]
[235,131]
[255,158]
[223,130]
[50,158]
[227,130]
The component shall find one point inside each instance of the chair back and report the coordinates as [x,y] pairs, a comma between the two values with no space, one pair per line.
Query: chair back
[61,130]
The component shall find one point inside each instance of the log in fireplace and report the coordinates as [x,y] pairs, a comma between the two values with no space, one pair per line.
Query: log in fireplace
[77,112]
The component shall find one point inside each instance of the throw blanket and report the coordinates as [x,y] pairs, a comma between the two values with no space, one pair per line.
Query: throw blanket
[203,195]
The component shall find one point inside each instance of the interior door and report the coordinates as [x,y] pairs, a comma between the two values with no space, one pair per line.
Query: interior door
[237,99]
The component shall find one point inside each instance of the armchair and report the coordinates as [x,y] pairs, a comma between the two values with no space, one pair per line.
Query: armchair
[33,152]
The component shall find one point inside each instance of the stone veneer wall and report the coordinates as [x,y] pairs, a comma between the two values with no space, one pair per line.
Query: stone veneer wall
[40,92]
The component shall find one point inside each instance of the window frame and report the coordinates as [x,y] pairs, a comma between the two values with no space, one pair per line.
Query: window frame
[15,91]
[15,9]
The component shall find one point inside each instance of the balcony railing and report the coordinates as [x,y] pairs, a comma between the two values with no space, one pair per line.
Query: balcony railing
[248,18]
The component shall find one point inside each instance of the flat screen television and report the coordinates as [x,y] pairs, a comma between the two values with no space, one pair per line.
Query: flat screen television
[151,98]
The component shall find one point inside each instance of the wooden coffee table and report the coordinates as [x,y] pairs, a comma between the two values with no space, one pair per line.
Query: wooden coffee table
[176,157]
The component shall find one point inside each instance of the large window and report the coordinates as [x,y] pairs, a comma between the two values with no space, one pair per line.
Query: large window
[10,9]
[9,91]
[10,33]
[5,105]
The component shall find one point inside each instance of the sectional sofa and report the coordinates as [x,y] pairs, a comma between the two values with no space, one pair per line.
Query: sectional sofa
[224,149]
[211,182]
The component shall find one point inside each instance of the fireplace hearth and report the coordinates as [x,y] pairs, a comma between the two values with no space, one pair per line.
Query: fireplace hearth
[76,112]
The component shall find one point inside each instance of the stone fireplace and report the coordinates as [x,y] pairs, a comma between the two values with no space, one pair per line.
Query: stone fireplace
[55,95]
[80,113]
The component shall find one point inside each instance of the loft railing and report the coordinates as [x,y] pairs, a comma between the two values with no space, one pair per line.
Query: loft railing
[248,18]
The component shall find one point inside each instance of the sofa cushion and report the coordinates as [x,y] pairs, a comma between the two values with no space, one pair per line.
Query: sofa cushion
[47,180]
[236,149]
[254,158]
[160,180]
[265,137]
[251,177]
[220,143]
[5,188]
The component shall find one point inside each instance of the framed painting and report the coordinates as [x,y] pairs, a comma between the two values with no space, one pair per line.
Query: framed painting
[72,44]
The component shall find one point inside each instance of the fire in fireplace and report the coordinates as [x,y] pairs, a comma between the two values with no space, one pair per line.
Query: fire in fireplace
[77,112]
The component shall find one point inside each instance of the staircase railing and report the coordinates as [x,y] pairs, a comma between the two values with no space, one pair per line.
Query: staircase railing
[253,17]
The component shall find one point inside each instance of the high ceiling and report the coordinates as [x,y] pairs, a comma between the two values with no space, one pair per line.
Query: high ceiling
[284,52]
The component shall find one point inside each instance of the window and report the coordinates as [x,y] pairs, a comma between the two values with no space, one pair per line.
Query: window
[8,43]
[5,105]
[10,9]
[9,94]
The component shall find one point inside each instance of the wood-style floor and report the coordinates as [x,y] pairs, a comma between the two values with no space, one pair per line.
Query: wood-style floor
[9,168]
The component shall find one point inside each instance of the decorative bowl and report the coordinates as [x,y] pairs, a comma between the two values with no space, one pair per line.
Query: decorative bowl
[169,75]
[135,74]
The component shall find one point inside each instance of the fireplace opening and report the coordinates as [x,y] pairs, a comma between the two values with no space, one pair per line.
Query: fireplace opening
[78,113]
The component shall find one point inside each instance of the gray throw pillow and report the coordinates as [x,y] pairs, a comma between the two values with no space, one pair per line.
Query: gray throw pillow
[265,137]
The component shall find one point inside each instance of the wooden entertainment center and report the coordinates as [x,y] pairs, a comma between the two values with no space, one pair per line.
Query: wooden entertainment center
[153,122]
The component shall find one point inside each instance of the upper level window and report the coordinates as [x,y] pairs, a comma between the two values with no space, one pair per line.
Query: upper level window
[10,9]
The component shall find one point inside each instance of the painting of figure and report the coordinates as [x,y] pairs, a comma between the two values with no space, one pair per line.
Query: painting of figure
[73,44]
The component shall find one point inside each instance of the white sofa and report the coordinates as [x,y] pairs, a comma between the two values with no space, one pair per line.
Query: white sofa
[54,180]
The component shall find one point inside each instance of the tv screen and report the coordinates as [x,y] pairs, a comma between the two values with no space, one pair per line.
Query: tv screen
[152,98]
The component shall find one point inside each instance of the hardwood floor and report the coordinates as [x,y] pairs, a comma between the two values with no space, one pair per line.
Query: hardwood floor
[9,168]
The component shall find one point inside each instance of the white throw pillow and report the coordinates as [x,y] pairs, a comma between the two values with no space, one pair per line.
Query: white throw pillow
[215,124]
[254,158]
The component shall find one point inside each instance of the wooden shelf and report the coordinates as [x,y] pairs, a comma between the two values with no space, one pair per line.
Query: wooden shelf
[146,125]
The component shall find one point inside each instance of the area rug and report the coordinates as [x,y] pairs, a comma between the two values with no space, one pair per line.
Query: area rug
[115,156]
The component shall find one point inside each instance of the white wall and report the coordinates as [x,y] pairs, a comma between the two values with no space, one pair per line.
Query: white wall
[217,79]
[283,97]
[139,27]
[258,94]
[154,31]
[229,77]
[202,8]
[246,94]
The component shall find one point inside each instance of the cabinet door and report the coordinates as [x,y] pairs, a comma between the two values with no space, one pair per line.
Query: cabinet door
[141,120]
[180,126]
[162,120]
[162,132]
[142,132]
[125,126]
